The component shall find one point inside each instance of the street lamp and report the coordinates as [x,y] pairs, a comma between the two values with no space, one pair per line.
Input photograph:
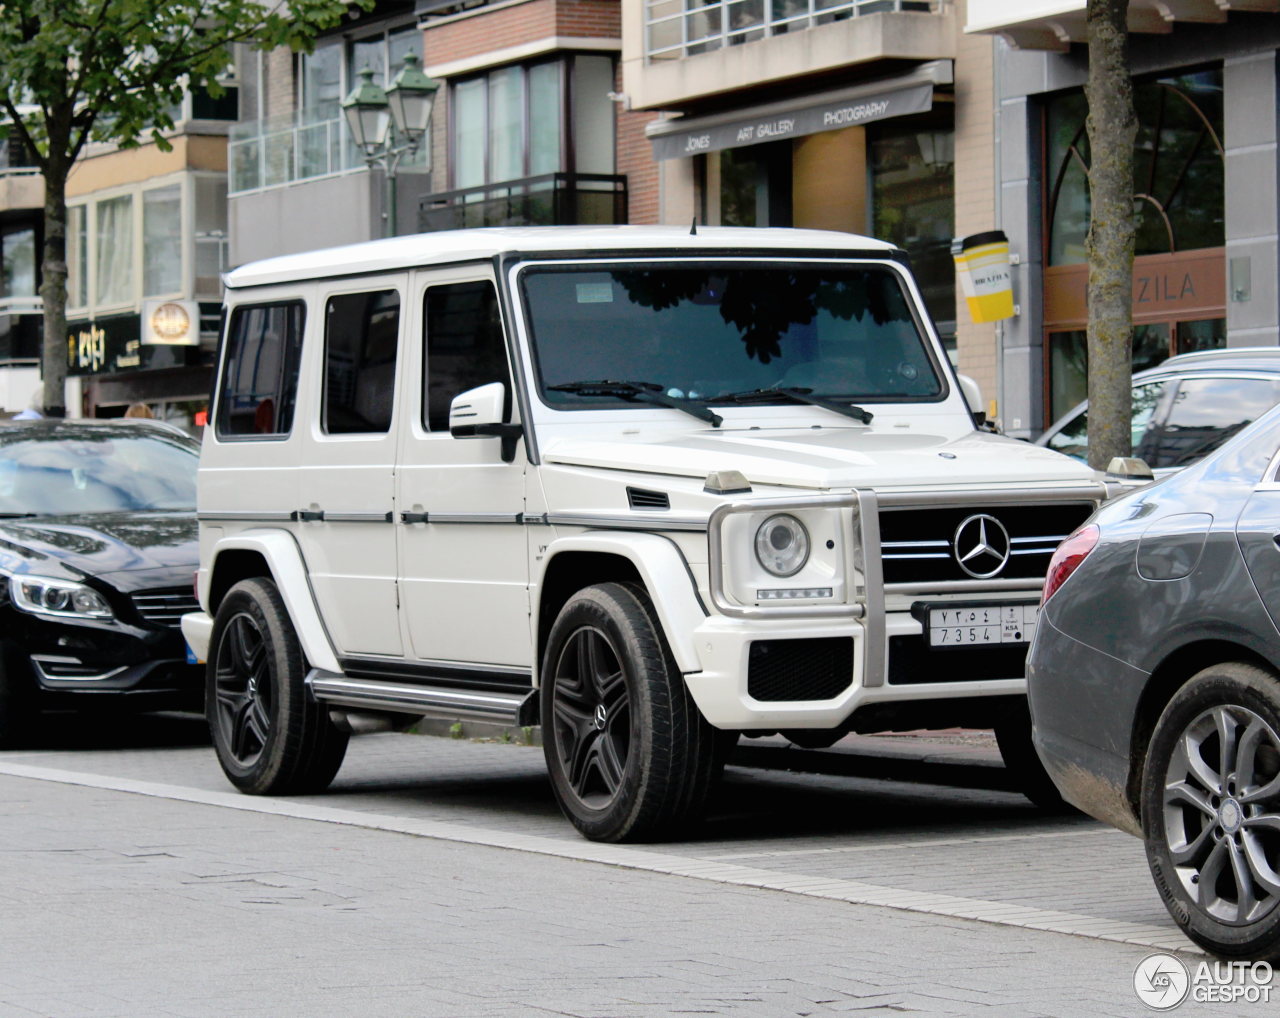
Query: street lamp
[388,124]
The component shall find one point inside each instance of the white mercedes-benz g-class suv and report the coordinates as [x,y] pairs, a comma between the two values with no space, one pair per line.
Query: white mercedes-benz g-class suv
[647,488]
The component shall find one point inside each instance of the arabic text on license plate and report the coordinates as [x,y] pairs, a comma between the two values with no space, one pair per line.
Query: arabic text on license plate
[985,625]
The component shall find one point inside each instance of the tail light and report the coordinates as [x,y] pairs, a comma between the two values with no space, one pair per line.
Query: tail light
[1068,557]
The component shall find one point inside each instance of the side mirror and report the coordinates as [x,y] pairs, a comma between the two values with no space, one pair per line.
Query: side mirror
[973,397]
[478,412]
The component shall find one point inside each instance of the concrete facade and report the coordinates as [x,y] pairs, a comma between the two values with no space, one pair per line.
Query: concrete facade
[1245,45]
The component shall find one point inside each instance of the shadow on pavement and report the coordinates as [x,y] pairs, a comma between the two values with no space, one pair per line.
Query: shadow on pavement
[99,730]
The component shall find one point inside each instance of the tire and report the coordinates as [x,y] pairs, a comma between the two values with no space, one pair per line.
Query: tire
[1211,810]
[630,756]
[271,736]
[1013,736]
[16,695]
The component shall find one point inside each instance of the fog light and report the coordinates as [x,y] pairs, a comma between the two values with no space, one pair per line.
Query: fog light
[792,593]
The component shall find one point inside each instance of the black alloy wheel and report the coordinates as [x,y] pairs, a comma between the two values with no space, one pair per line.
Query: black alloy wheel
[1211,810]
[630,756]
[271,736]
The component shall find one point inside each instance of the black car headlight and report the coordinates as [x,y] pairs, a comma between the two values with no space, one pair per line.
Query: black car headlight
[63,599]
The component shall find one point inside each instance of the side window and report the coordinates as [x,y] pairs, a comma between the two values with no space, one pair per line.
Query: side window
[1208,411]
[361,333]
[465,346]
[1073,438]
[259,382]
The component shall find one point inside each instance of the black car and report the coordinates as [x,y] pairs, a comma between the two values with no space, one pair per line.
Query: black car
[1154,683]
[98,549]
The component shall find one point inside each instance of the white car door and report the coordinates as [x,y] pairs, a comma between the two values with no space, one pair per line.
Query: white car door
[463,546]
[346,483]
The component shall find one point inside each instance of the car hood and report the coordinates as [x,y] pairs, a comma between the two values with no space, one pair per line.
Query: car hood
[129,550]
[832,458]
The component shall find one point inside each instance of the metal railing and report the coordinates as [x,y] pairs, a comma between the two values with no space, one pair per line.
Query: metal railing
[683,28]
[312,143]
[549,199]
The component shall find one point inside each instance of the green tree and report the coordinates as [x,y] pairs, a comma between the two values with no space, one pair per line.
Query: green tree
[1112,125]
[75,71]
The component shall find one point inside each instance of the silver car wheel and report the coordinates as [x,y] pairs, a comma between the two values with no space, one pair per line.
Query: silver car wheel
[1221,812]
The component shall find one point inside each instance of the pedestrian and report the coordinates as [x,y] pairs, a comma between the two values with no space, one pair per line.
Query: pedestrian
[139,410]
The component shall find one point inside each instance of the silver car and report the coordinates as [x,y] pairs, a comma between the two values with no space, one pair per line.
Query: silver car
[1154,685]
[1185,407]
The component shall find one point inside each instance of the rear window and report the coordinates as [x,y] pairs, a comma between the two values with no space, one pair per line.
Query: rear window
[259,381]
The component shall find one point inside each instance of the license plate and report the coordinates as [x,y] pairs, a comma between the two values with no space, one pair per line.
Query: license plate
[981,625]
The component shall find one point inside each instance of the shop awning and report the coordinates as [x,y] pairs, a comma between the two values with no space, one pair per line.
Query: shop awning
[829,111]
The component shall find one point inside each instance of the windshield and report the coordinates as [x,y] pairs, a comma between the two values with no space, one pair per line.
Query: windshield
[94,468]
[711,332]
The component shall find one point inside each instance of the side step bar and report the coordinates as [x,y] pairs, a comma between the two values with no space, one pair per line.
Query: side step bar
[519,709]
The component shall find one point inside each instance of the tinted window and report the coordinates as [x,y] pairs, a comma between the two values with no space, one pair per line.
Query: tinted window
[1073,437]
[708,332]
[465,347]
[1205,413]
[91,468]
[259,380]
[360,336]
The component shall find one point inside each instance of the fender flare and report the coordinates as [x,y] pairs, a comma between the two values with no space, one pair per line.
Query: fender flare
[289,572]
[665,574]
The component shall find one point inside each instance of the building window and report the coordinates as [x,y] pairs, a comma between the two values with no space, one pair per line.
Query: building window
[77,257]
[260,371]
[911,161]
[526,120]
[18,261]
[361,332]
[162,241]
[1178,168]
[114,250]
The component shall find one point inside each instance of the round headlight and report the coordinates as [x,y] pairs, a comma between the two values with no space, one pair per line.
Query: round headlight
[782,545]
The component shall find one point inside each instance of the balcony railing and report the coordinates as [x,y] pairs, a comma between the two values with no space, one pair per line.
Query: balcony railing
[550,199]
[283,150]
[683,28]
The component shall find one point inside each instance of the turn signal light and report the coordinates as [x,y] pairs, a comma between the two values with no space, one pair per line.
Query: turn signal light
[1068,557]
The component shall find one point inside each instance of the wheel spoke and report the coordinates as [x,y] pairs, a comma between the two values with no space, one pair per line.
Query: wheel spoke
[1228,730]
[581,763]
[1195,762]
[241,730]
[1193,852]
[1182,793]
[1209,873]
[1262,793]
[611,763]
[1246,900]
[1260,866]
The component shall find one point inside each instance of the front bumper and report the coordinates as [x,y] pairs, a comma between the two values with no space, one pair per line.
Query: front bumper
[728,688]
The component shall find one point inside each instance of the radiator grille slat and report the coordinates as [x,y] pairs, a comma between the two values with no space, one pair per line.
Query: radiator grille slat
[166,606]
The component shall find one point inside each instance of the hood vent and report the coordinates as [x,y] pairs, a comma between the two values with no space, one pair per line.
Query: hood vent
[639,498]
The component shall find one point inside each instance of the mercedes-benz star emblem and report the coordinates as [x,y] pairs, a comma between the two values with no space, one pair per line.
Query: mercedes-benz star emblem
[981,546]
[601,718]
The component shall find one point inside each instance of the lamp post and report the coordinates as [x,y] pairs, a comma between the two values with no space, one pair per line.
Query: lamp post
[388,124]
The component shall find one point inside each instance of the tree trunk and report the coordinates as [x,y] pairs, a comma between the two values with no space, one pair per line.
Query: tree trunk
[53,290]
[1113,127]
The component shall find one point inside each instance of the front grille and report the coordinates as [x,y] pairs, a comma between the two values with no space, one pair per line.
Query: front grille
[165,607]
[916,544]
[912,661]
[799,669]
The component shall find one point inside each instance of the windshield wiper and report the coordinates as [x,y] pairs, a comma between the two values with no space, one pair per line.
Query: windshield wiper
[645,392]
[800,396]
